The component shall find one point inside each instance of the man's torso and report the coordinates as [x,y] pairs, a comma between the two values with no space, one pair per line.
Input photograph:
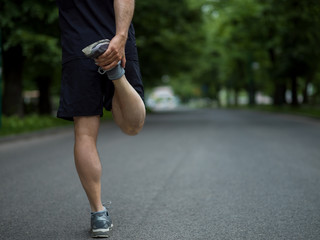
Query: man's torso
[83,22]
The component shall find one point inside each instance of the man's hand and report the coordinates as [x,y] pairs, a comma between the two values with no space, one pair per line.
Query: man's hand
[115,52]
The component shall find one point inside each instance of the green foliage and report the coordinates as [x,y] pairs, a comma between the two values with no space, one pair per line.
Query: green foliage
[33,26]
[169,37]
[261,43]
[30,38]
[15,125]
[293,26]
[307,111]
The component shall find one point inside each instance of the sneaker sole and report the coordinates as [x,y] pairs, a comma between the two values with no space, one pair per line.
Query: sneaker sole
[96,49]
[101,233]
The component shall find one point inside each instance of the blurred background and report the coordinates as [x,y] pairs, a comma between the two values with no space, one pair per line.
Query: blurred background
[193,53]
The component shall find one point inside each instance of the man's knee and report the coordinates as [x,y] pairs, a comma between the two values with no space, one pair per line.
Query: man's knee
[86,127]
[133,128]
[131,131]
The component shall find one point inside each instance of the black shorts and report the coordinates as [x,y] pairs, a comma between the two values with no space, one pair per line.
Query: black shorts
[84,92]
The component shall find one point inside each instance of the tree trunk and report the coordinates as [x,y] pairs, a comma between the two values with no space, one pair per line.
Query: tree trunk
[294,93]
[44,105]
[217,95]
[305,91]
[12,77]
[236,95]
[252,98]
[279,95]
[228,96]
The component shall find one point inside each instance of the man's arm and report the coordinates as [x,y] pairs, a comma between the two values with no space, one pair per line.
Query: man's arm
[123,10]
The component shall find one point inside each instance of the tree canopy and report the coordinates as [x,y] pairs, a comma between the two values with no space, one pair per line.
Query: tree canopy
[266,45]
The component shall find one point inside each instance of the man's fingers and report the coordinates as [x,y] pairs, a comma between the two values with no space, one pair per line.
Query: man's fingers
[109,66]
[111,52]
[107,58]
[108,53]
[123,62]
[106,61]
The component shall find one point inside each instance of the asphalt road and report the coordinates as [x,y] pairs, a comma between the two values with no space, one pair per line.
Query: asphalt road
[205,174]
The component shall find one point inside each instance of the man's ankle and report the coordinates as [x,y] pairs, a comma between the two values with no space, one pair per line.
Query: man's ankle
[97,208]
[116,73]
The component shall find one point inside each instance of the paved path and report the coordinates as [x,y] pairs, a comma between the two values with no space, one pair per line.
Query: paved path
[206,174]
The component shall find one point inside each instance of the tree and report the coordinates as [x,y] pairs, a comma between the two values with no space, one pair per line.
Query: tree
[235,28]
[169,38]
[292,42]
[280,35]
[30,38]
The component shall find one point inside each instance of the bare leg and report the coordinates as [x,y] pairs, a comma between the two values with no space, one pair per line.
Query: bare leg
[127,107]
[87,160]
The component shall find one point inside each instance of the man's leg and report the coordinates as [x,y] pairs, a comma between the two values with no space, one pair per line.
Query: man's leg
[87,160]
[127,107]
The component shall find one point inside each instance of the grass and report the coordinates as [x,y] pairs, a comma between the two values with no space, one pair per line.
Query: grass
[308,111]
[15,125]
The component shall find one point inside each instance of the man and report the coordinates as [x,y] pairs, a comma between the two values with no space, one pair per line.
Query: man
[84,91]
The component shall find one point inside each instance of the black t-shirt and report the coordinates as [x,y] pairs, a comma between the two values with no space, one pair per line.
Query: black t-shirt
[83,22]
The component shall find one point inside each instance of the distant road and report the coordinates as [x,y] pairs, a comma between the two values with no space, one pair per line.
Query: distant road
[202,174]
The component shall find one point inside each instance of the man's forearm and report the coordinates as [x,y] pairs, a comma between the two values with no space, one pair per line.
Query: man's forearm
[124,10]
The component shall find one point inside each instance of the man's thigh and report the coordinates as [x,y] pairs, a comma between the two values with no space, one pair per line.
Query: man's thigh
[133,75]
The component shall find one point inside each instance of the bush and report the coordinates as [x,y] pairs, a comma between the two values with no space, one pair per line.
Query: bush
[15,125]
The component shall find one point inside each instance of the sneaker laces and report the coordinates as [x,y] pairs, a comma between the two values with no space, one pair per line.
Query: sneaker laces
[107,205]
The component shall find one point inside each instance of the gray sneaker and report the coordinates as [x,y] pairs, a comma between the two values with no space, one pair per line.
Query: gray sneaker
[101,224]
[95,49]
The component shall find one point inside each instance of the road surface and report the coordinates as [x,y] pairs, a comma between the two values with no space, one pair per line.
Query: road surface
[202,174]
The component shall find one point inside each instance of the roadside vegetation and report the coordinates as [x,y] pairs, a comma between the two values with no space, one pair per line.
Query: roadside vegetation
[306,111]
[16,125]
